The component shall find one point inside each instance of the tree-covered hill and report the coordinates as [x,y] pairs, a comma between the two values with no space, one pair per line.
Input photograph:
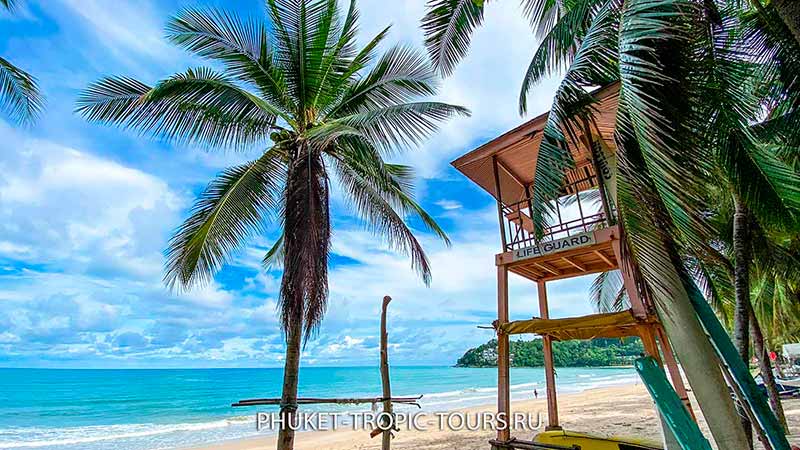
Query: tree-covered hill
[598,352]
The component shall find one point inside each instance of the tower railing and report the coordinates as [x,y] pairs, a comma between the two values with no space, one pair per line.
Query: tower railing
[572,215]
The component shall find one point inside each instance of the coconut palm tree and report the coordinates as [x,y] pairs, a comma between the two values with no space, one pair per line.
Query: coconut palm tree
[298,87]
[684,115]
[20,98]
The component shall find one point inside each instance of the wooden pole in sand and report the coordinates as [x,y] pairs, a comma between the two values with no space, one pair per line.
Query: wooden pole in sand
[549,371]
[503,388]
[388,424]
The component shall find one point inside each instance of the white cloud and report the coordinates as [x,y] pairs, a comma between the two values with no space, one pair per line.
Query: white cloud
[64,206]
[448,205]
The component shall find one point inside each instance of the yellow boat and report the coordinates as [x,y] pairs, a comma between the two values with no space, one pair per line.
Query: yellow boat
[586,441]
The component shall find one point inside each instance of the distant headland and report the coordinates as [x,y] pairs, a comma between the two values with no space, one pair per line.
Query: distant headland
[595,353]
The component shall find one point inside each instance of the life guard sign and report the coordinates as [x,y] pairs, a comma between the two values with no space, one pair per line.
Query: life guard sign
[555,246]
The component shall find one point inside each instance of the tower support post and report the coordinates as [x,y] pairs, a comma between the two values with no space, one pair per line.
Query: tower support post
[549,370]
[503,382]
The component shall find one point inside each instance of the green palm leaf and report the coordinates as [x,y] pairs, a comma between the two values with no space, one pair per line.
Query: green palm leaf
[607,293]
[231,209]
[557,47]
[242,46]
[382,218]
[448,27]
[19,93]
[393,182]
[199,106]
[400,75]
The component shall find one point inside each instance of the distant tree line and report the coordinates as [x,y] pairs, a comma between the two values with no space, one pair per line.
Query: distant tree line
[594,353]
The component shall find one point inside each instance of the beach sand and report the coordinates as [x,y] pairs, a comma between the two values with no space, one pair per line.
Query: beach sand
[623,410]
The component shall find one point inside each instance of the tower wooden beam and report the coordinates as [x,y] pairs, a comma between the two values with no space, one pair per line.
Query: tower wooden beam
[503,382]
[549,372]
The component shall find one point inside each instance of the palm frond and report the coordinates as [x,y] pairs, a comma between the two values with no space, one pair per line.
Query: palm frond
[301,28]
[657,106]
[397,127]
[769,187]
[232,208]
[275,255]
[607,292]
[544,14]
[557,47]
[199,106]
[400,75]
[393,182]
[242,46]
[448,27]
[20,97]
[381,217]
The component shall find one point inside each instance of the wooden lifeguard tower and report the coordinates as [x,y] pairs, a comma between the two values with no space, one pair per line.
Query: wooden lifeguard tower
[589,241]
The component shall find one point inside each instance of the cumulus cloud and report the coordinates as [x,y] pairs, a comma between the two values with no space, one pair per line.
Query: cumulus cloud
[66,206]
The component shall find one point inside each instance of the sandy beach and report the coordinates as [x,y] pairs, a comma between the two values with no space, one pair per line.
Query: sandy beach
[623,410]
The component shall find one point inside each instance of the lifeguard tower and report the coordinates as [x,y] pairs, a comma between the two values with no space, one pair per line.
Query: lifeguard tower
[586,241]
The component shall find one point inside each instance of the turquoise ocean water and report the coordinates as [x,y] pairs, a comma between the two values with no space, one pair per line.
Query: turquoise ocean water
[162,409]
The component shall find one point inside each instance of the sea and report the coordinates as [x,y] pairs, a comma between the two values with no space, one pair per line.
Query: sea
[143,409]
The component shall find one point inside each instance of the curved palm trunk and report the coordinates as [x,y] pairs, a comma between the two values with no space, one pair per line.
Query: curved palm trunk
[765,367]
[789,11]
[700,364]
[304,287]
[692,346]
[741,281]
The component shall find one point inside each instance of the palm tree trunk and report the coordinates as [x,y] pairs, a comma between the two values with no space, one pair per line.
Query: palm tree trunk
[741,281]
[696,354]
[304,286]
[789,11]
[291,370]
[700,363]
[765,367]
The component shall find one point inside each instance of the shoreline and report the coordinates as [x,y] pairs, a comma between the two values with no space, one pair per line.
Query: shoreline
[347,438]
[624,410]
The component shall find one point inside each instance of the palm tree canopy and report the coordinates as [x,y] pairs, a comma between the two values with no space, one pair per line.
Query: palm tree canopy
[298,86]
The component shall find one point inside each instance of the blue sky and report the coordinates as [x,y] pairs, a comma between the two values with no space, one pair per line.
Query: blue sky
[86,211]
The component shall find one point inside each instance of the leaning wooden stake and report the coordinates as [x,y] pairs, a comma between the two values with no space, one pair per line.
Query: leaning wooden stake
[386,442]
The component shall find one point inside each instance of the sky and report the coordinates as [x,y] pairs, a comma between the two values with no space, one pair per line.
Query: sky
[86,211]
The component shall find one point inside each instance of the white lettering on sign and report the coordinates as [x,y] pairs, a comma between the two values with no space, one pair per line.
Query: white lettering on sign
[555,246]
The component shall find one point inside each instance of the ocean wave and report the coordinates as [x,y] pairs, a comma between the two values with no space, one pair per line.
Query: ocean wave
[45,437]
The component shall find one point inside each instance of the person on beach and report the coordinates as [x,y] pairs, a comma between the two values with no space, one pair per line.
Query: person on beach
[535,393]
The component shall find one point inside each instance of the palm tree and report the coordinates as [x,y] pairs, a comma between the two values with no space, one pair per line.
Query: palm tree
[298,86]
[20,98]
[684,115]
